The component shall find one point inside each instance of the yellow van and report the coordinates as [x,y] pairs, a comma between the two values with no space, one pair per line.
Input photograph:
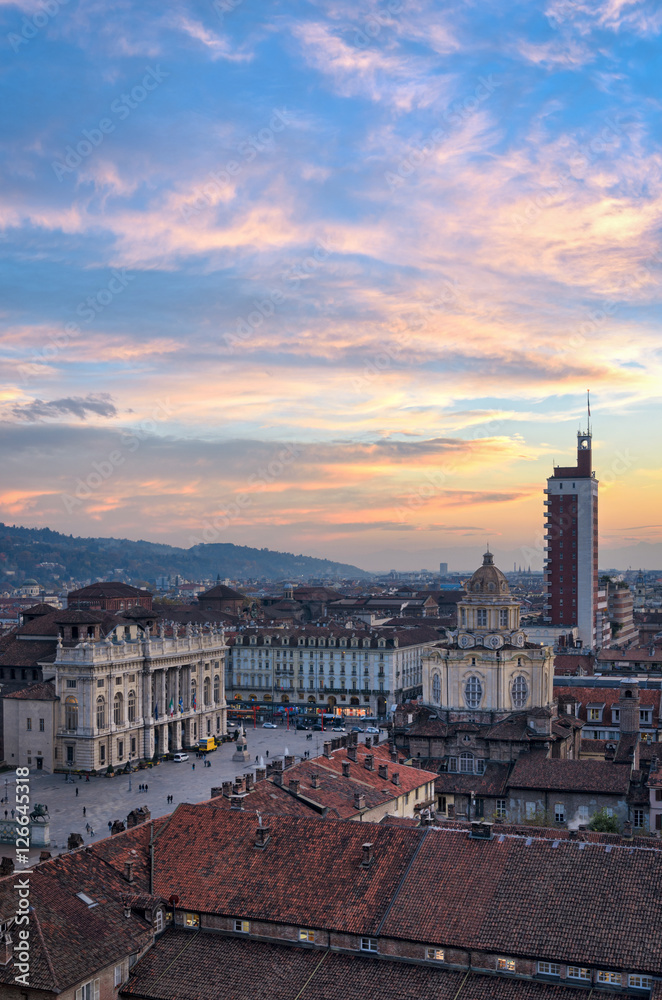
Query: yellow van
[206,744]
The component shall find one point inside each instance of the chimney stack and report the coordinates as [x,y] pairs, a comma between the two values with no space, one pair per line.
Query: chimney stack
[395,778]
[359,800]
[128,871]
[262,837]
[394,756]
[383,771]
[248,778]
[627,830]
[314,781]
[351,753]
[368,742]
[227,789]
[44,856]
[327,749]
[289,760]
[236,801]
[260,773]
[368,855]
[294,786]
[277,778]
[368,763]
[345,768]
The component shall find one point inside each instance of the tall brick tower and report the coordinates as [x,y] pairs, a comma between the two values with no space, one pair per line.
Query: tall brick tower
[571,549]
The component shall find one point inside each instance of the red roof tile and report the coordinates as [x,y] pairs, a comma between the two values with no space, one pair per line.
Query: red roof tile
[534,770]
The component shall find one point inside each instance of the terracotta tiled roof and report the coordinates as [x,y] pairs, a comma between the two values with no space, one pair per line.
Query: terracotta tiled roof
[27,652]
[534,770]
[185,965]
[207,856]
[35,692]
[70,940]
[221,593]
[607,696]
[268,799]
[524,896]
[109,588]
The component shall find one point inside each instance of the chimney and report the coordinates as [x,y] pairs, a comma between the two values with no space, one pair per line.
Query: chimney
[236,802]
[368,763]
[314,781]
[343,741]
[227,788]
[383,771]
[368,855]
[127,911]
[572,834]
[327,749]
[262,837]
[653,765]
[6,949]
[359,800]
[395,778]
[627,830]
[394,756]
[239,785]
[351,753]
[278,765]
[128,871]
[260,773]
[335,743]
[480,830]
[294,786]
[277,778]
[250,784]
[628,704]
[44,856]
[289,760]
[368,742]
[345,768]
[7,865]
[215,792]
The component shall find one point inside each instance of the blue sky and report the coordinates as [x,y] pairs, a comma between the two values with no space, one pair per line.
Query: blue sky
[329,277]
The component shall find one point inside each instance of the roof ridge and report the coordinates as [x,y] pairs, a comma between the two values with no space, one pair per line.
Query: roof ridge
[49,963]
[402,880]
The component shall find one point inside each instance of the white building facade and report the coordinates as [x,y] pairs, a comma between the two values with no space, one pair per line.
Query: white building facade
[138,696]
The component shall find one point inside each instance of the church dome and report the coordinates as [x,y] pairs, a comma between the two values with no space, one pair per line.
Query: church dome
[488,580]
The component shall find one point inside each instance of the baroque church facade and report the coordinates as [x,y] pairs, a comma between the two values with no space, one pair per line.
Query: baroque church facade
[487,669]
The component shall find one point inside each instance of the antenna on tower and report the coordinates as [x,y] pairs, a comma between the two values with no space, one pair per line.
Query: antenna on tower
[588,407]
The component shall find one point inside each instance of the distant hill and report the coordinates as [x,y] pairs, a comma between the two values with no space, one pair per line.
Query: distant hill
[24,549]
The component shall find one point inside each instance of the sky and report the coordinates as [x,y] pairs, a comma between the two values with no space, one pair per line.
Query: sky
[330,277]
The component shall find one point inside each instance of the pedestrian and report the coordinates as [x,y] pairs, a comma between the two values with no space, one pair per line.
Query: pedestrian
[256,759]
[267,755]
[12,814]
[146,787]
[84,812]
[87,777]
[110,824]
[76,792]
[6,814]
[193,767]
[91,832]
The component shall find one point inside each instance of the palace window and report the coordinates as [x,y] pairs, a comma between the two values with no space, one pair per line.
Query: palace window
[71,713]
[131,706]
[520,691]
[217,688]
[473,692]
[118,717]
[436,689]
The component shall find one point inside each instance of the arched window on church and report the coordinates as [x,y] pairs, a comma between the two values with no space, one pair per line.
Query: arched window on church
[520,691]
[467,763]
[473,692]
[436,689]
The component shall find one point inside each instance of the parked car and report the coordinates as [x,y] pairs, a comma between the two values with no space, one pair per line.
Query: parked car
[179,757]
[301,725]
[371,729]
[269,725]
[356,729]
[317,728]
[338,729]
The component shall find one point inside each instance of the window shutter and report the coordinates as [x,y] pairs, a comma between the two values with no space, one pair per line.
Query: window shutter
[96,989]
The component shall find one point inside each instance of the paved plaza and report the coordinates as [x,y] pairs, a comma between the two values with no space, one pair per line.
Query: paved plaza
[107,799]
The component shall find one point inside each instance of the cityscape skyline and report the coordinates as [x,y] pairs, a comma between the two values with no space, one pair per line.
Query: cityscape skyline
[331,281]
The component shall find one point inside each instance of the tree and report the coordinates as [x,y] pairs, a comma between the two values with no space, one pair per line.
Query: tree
[602,822]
